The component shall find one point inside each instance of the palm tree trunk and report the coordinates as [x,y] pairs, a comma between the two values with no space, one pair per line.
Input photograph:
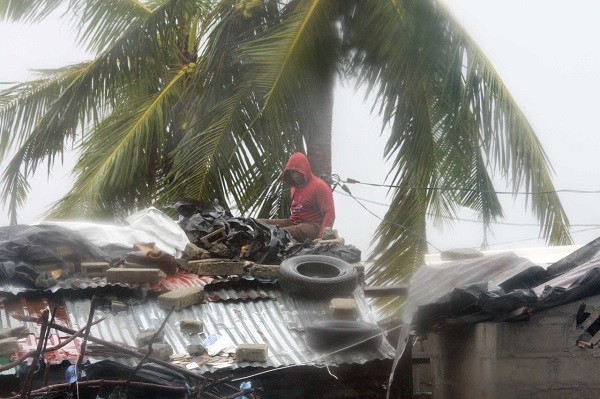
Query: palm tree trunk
[318,145]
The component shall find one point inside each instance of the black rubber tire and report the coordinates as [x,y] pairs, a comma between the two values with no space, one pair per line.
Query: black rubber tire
[317,276]
[337,334]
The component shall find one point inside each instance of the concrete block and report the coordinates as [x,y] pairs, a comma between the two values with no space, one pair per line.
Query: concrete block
[219,268]
[127,275]
[213,238]
[196,349]
[94,269]
[343,309]
[339,241]
[251,353]
[181,298]
[184,264]
[267,272]
[8,346]
[194,251]
[160,351]
[191,326]
[144,337]
[19,332]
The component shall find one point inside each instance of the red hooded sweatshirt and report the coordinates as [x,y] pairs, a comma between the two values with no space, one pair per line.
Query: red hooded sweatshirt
[312,202]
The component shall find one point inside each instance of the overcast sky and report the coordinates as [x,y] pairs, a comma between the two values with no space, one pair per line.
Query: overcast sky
[546,52]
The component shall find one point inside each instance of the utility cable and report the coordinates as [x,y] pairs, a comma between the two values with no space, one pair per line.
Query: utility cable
[347,190]
[467,220]
[471,190]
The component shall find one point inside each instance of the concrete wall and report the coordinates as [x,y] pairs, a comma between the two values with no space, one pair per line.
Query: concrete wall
[531,359]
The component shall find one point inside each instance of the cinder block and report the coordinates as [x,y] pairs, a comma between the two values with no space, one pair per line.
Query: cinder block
[94,269]
[251,353]
[8,346]
[181,298]
[343,309]
[145,337]
[159,351]
[191,326]
[126,275]
[219,268]
[268,272]
[213,238]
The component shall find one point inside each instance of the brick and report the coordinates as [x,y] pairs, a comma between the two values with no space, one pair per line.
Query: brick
[159,351]
[267,272]
[8,346]
[94,269]
[219,268]
[343,309]
[191,326]
[127,275]
[251,353]
[144,337]
[329,234]
[181,298]
[339,241]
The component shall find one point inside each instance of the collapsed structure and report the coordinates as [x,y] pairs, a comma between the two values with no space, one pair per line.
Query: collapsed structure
[192,308]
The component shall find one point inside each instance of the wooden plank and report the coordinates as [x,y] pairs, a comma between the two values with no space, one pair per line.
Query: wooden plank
[387,290]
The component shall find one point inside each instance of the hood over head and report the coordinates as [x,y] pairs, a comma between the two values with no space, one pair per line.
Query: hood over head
[298,162]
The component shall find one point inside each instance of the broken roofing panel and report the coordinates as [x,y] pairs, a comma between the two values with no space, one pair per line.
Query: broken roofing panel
[280,324]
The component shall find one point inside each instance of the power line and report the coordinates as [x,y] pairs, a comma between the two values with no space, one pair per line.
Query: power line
[471,190]
[466,220]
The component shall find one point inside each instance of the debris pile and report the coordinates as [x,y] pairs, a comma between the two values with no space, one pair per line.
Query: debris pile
[76,267]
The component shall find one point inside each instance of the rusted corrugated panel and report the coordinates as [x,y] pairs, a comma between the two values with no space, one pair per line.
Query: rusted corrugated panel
[278,323]
[34,307]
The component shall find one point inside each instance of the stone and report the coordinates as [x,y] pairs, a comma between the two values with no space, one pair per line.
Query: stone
[220,250]
[145,337]
[329,234]
[132,275]
[118,306]
[219,268]
[191,326]
[196,349]
[19,332]
[360,267]
[343,309]
[181,298]
[8,346]
[193,251]
[251,353]
[160,351]
[267,272]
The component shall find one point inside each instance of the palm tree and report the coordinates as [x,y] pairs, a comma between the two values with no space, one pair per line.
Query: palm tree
[207,99]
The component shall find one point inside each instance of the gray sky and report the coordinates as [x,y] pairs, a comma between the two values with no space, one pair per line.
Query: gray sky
[544,50]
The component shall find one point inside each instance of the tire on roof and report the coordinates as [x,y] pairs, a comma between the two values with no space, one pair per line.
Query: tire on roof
[317,276]
[338,334]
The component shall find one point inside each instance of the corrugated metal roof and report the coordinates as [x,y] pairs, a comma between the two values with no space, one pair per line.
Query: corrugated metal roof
[278,323]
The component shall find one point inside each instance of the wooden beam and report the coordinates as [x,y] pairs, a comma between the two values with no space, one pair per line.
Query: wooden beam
[387,290]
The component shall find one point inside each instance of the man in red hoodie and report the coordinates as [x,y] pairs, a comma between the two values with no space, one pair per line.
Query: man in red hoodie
[312,208]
